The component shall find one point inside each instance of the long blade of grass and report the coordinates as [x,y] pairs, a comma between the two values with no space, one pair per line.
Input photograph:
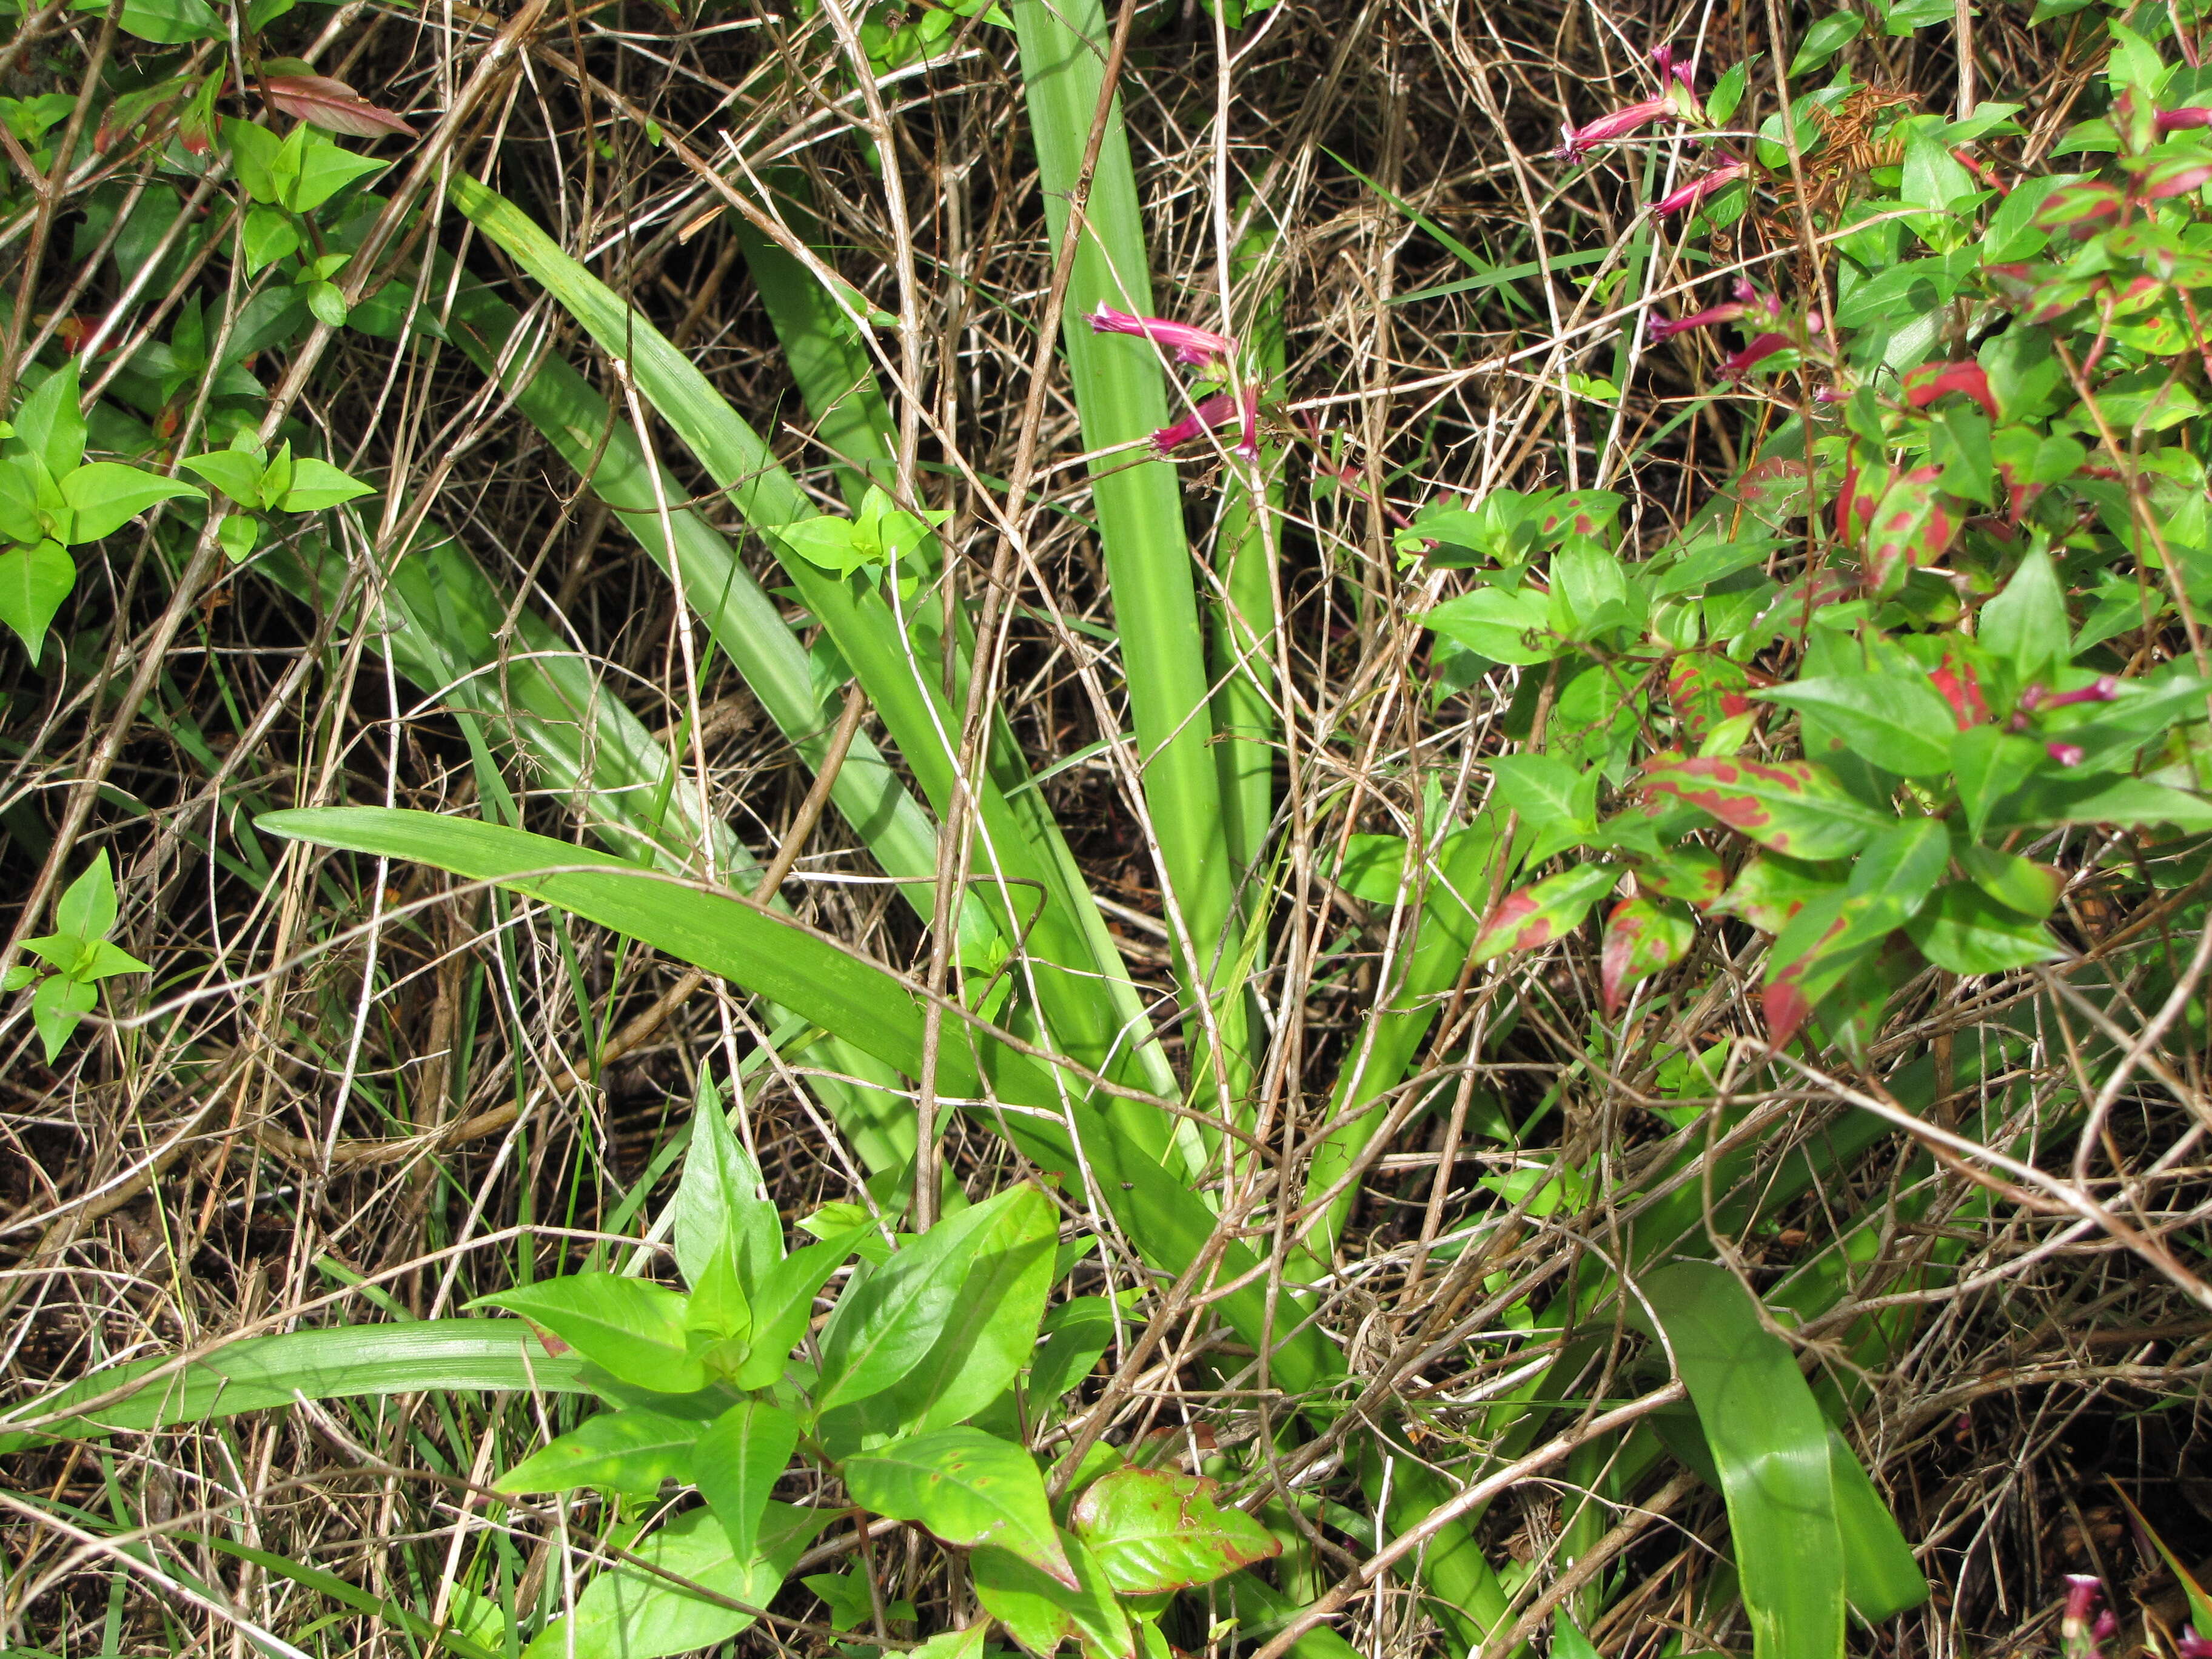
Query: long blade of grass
[868,1006]
[1121,397]
[267,1372]
[904,690]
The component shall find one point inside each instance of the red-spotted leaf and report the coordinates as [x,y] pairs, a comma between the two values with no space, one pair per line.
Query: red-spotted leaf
[1536,915]
[1579,513]
[968,1488]
[1688,873]
[1831,936]
[1789,806]
[2079,209]
[331,105]
[1643,935]
[1912,528]
[1768,891]
[1705,688]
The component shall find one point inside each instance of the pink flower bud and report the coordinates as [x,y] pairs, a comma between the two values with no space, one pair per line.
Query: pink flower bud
[1215,411]
[2066,754]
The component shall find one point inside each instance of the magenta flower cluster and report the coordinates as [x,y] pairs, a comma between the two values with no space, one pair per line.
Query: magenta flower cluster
[1194,348]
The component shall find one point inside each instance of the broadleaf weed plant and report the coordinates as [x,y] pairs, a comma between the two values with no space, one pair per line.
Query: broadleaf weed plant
[1231,831]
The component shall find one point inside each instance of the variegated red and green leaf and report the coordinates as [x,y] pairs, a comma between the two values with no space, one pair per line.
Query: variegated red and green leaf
[1912,529]
[1768,891]
[1705,688]
[1688,873]
[1788,806]
[1643,935]
[1539,913]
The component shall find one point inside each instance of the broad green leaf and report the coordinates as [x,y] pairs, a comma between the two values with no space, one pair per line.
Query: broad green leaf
[1988,765]
[736,1463]
[956,1643]
[1968,932]
[2016,883]
[233,471]
[33,582]
[631,1451]
[57,1007]
[627,1613]
[1557,801]
[1504,627]
[630,1328]
[1824,40]
[269,1372]
[1769,1442]
[165,22]
[104,960]
[1896,722]
[782,1303]
[992,1329]
[846,1595]
[1372,867]
[968,1488]
[1789,806]
[1536,915]
[1154,1531]
[1077,1331]
[718,1197]
[318,484]
[86,909]
[1902,864]
[890,1317]
[1643,935]
[2127,804]
[324,169]
[2027,624]
[1041,1613]
[106,495]
[26,491]
[47,423]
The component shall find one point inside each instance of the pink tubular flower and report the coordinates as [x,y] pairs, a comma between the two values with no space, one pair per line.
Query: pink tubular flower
[2176,120]
[1741,363]
[1688,195]
[1748,303]
[1215,411]
[1248,406]
[2066,754]
[2079,1635]
[2104,689]
[2191,1645]
[1579,141]
[1201,347]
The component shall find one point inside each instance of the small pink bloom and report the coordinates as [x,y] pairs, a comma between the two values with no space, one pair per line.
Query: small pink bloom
[1688,195]
[1248,403]
[2175,120]
[1215,411]
[1201,347]
[2083,1591]
[2193,1646]
[1662,328]
[2066,754]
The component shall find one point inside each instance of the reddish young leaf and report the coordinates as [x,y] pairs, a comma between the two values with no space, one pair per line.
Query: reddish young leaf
[1536,915]
[1791,806]
[1643,935]
[1962,688]
[1925,384]
[1705,688]
[1855,505]
[1912,529]
[1819,946]
[2079,209]
[331,105]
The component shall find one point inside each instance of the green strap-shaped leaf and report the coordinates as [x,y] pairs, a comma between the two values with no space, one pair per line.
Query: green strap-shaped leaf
[1770,1443]
[262,1372]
